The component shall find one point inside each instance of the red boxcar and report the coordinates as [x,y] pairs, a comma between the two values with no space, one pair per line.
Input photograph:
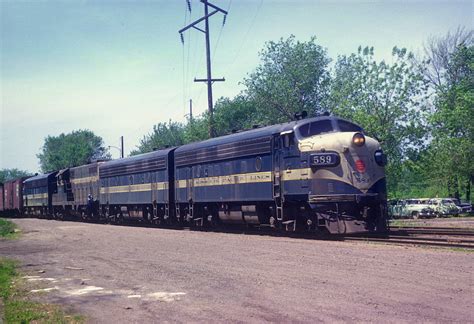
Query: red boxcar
[1,199]
[13,197]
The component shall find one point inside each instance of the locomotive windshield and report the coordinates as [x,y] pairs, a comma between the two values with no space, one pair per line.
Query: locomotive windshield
[327,126]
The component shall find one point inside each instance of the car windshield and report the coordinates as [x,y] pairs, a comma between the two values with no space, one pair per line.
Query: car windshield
[327,126]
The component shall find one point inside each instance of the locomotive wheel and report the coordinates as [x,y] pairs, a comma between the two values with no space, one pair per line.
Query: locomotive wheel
[120,219]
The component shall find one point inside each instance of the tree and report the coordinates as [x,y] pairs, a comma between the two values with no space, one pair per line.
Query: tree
[437,65]
[163,135]
[69,150]
[452,124]
[388,100]
[11,174]
[291,77]
[234,114]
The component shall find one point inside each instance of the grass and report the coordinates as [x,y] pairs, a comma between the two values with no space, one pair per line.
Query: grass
[7,229]
[17,307]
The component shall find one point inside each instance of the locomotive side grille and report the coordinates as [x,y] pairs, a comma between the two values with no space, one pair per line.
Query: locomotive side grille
[224,151]
[137,167]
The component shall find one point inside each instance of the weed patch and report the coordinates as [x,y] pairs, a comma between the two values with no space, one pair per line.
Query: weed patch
[7,229]
[18,308]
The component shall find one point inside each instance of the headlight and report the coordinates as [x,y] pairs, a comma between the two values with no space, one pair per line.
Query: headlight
[358,139]
[380,158]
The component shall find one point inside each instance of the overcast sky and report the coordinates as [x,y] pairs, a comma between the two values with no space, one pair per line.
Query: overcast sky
[118,67]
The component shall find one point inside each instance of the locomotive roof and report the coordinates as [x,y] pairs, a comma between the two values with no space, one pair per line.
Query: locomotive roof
[136,158]
[94,163]
[39,177]
[250,134]
[152,161]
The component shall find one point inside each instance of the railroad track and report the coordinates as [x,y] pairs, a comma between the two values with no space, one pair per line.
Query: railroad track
[432,230]
[398,235]
[424,236]
[422,241]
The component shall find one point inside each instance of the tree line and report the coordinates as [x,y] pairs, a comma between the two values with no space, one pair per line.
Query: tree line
[420,108]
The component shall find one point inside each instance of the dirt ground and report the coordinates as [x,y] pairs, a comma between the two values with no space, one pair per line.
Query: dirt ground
[113,274]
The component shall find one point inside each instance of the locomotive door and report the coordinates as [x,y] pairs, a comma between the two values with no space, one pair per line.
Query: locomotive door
[277,191]
[192,173]
[276,166]
[154,187]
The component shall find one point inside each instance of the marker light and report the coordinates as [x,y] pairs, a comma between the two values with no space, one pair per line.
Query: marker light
[360,166]
[358,139]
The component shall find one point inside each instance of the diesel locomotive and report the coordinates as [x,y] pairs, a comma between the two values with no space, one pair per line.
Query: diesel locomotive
[315,174]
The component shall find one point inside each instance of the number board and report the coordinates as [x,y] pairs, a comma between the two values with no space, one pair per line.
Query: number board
[324,159]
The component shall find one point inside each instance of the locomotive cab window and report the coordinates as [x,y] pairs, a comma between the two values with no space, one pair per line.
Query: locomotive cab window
[315,128]
[345,126]
[288,140]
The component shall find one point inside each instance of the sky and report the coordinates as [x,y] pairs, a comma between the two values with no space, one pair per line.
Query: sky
[119,67]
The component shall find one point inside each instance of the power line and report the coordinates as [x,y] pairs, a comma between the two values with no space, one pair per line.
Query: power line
[247,33]
[220,32]
[209,80]
[183,63]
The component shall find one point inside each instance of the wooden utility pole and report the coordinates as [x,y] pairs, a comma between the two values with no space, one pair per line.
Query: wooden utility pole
[121,147]
[209,80]
[190,110]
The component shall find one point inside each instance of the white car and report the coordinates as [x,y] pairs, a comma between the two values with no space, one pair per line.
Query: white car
[444,207]
[418,208]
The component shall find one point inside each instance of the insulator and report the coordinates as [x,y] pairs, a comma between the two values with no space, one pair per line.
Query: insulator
[224,20]
[189,5]
[182,37]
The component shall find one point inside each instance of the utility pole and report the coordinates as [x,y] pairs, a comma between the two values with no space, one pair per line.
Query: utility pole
[190,110]
[121,147]
[209,80]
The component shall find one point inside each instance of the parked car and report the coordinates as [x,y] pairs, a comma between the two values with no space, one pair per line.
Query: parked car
[444,207]
[466,208]
[411,208]
[418,208]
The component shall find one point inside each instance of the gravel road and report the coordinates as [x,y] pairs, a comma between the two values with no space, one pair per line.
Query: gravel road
[115,274]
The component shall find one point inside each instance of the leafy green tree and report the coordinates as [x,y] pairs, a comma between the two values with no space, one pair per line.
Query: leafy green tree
[197,129]
[163,135]
[234,115]
[388,100]
[293,76]
[70,150]
[452,124]
[11,174]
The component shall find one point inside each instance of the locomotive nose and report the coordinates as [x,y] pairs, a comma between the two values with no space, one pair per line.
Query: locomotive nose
[360,158]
